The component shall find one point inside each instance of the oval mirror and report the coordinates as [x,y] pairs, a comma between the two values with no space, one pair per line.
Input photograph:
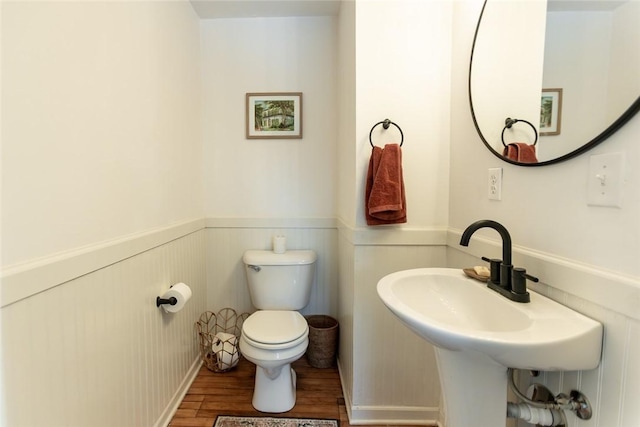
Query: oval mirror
[549,80]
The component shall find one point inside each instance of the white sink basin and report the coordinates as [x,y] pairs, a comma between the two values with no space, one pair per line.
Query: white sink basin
[478,334]
[455,312]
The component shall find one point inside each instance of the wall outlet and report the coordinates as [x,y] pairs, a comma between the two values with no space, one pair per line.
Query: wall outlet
[495,184]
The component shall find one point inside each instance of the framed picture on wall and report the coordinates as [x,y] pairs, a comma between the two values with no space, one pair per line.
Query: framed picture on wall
[551,111]
[274,115]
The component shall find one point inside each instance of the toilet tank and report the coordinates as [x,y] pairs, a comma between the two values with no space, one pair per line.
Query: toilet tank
[280,281]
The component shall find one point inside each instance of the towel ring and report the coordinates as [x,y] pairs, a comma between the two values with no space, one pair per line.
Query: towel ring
[510,122]
[385,124]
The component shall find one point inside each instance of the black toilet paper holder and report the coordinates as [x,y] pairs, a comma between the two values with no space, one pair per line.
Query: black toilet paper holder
[170,301]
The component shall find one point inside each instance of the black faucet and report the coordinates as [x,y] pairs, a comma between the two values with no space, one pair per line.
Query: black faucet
[506,280]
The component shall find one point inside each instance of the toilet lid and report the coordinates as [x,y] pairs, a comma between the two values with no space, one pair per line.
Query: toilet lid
[275,327]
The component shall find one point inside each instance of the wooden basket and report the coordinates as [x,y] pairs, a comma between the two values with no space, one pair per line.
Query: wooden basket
[323,341]
[219,338]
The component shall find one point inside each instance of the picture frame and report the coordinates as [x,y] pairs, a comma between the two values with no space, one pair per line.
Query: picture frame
[274,115]
[551,111]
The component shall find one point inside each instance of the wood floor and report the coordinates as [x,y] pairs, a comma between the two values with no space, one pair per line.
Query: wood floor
[319,395]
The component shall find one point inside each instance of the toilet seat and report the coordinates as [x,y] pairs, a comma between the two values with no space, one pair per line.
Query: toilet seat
[275,329]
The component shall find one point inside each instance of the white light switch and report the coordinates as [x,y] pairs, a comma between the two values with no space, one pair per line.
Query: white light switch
[604,185]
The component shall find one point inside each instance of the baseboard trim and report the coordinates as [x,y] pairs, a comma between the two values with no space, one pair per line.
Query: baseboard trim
[393,235]
[394,415]
[212,222]
[387,415]
[345,391]
[174,404]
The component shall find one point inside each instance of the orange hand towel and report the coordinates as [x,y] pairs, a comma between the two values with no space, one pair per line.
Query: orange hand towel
[385,201]
[520,152]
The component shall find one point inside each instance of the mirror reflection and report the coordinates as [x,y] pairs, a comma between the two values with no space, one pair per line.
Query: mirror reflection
[548,79]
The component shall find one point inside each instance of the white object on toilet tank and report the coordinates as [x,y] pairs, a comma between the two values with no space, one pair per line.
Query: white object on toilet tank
[280,281]
[279,244]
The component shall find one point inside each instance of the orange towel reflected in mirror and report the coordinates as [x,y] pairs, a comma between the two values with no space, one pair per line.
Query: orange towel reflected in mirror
[520,152]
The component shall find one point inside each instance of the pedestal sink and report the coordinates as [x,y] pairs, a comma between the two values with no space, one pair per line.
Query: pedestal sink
[478,334]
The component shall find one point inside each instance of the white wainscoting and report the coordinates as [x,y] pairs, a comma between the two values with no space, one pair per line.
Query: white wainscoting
[94,350]
[395,372]
[612,299]
[346,297]
[389,374]
[228,239]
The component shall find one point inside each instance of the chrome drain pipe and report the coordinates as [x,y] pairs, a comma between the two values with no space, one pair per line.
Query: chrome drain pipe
[533,415]
[575,402]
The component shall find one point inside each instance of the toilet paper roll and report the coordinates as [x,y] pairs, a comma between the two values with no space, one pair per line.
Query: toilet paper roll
[180,292]
[279,244]
[226,350]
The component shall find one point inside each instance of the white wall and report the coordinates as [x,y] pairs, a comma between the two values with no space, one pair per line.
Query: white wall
[346,194]
[100,125]
[347,197]
[586,257]
[256,178]
[545,207]
[624,83]
[496,57]
[401,72]
[255,189]
[577,59]
[101,210]
[411,64]
[592,56]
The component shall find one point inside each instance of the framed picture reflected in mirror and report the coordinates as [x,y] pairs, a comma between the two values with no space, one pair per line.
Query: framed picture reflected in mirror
[551,111]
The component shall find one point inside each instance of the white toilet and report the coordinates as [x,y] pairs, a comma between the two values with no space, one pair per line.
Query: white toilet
[276,335]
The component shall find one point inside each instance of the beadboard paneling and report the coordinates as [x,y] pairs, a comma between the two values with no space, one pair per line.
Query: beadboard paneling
[345,317]
[96,351]
[613,387]
[389,374]
[378,356]
[227,284]
[394,366]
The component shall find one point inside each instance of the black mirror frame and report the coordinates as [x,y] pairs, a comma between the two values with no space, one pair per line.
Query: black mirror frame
[613,128]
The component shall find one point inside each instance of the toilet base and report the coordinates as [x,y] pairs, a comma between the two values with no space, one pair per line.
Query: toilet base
[274,395]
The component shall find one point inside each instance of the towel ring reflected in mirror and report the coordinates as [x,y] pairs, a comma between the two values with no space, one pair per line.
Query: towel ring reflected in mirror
[482,94]
[385,125]
[510,122]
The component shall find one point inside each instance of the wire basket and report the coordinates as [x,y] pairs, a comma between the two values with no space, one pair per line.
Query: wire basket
[218,335]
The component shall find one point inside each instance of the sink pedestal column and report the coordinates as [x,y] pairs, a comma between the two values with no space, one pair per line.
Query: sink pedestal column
[474,389]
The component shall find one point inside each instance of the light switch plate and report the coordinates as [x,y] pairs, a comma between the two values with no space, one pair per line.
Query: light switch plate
[605,180]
